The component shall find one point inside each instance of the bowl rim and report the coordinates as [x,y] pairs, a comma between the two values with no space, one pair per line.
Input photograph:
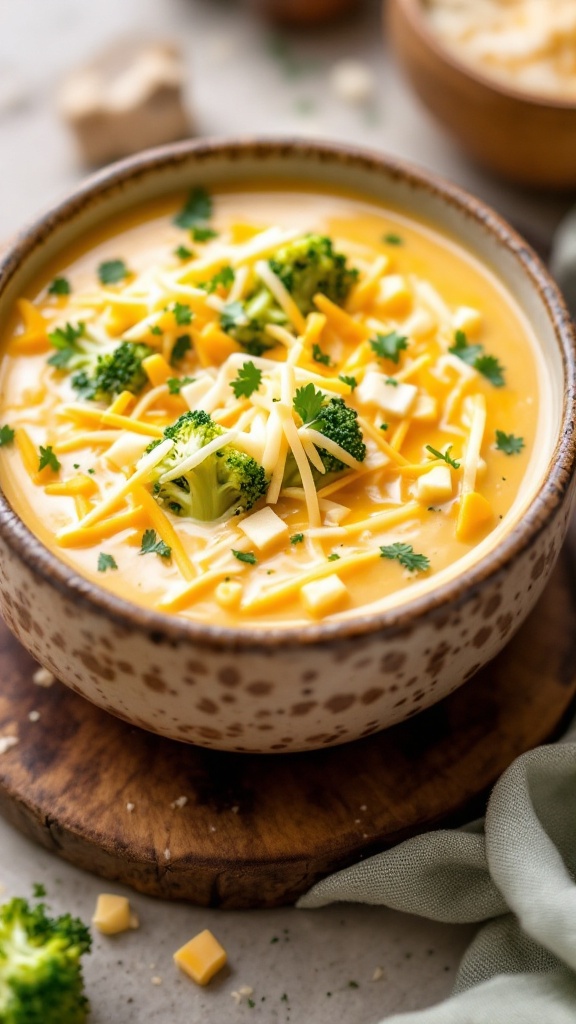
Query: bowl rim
[166,628]
[416,16]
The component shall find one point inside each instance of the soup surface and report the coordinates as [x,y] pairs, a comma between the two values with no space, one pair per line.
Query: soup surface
[268,406]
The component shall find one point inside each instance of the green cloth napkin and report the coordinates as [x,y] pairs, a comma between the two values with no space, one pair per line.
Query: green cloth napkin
[514,871]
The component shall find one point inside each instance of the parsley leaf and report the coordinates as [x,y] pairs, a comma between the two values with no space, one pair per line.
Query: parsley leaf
[196,210]
[508,443]
[106,562]
[232,315]
[245,556]
[319,356]
[392,382]
[182,314]
[406,556]
[333,557]
[446,457]
[473,355]
[350,381]
[183,253]
[182,345]
[175,384]
[224,277]
[112,271]
[151,545]
[38,891]
[392,239]
[248,380]
[65,340]
[6,435]
[308,402]
[389,346]
[59,286]
[202,234]
[156,329]
[296,538]
[48,458]
[384,426]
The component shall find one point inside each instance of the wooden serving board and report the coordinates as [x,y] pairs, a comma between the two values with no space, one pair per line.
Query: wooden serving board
[257,831]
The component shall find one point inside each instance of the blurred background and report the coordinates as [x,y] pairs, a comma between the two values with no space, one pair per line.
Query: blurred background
[320,68]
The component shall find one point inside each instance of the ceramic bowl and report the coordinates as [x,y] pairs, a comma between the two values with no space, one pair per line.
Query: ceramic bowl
[518,135]
[307,687]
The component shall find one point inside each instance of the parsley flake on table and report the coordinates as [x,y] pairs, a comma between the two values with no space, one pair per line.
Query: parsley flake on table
[248,380]
[406,556]
[308,402]
[59,286]
[6,435]
[113,272]
[153,545]
[245,556]
[350,381]
[182,313]
[508,443]
[48,458]
[106,562]
[182,345]
[445,456]
[474,355]
[319,356]
[175,384]
[224,277]
[389,346]
[296,538]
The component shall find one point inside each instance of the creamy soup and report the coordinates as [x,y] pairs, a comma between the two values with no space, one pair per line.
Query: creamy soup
[268,406]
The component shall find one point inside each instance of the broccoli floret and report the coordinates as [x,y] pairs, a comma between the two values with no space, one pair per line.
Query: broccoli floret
[309,266]
[108,375]
[339,422]
[226,483]
[40,972]
[246,321]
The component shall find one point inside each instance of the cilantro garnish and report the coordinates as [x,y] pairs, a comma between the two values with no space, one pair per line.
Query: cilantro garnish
[151,545]
[406,556]
[446,457]
[65,340]
[248,380]
[319,356]
[392,239]
[182,314]
[473,355]
[6,435]
[296,538]
[224,277]
[508,443]
[48,458]
[333,557]
[182,345]
[106,562]
[196,210]
[156,329]
[350,381]
[112,271]
[59,286]
[308,402]
[245,556]
[175,384]
[389,346]
[200,234]
[183,253]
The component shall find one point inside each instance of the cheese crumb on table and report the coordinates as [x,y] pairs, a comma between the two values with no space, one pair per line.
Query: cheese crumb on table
[6,742]
[352,81]
[42,677]
[113,915]
[201,958]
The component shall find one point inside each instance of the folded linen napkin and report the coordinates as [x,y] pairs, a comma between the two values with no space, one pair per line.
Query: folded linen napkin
[514,871]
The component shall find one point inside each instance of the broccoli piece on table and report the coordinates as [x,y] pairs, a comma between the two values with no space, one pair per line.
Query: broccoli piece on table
[40,972]
[225,483]
[335,420]
[101,375]
[309,266]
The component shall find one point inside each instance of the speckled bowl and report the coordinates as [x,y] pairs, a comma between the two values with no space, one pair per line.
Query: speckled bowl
[283,689]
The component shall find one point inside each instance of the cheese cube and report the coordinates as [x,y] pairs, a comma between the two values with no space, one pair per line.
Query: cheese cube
[228,593]
[264,528]
[113,915]
[394,294]
[201,958]
[475,512]
[435,486]
[394,399]
[127,449]
[157,369]
[426,409]
[468,320]
[322,596]
[419,324]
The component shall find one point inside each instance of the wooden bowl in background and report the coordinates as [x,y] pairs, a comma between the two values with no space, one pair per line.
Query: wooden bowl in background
[518,135]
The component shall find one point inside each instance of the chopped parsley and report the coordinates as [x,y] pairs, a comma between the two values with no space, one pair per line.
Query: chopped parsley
[38,891]
[392,382]
[48,458]
[384,426]
[182,314]
[183,253]
[245,556]
[308,402]
[445,456]
[175,384]
[106,562]
[508,443]
[65,339]
[333,557]
[113,272]
[6,435]
[224,277]
[201,234]
[296,538]
[59,286]
[319,356]
[152,545]
[182,345]
[196,210]
[251,1003]
[390,238]
[248,380]
[389,346]
[353,984]
[350,381]
[156,329]
[406,556]
[474,355]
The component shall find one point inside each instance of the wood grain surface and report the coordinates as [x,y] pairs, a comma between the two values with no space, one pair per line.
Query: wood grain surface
[257,831]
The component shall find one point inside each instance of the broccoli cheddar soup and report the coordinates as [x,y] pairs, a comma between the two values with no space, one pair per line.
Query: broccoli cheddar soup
[268,407]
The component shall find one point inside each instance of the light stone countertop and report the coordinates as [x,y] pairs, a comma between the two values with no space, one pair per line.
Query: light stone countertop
[241,80]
